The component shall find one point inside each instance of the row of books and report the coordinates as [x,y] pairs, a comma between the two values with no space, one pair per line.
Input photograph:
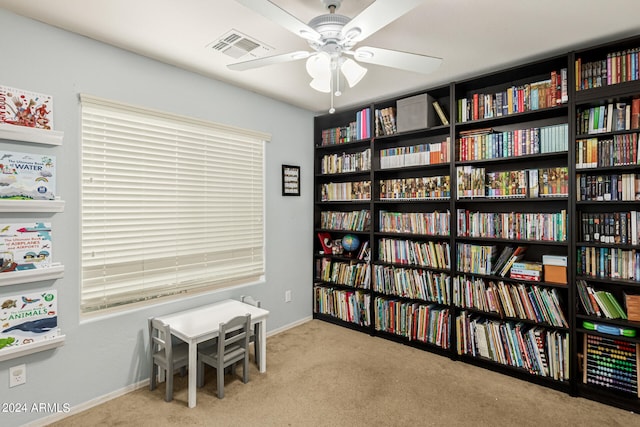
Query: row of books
[617,67]
[487,143]
[536,349]
[431,153]
[345,191]
[598,188]
[416,322]
[434,223]
[424,254]
[385,121]
[516,99]
[339,135]
[609,227]
[612,117]
[426,187]
[611,364]
[621,150]
[477,259]
[346,162]
[608,263]
[350,306]
[413,283]
[513,225]
[598,302]
[346,221]
[513,300]
[547,182]
[354,274]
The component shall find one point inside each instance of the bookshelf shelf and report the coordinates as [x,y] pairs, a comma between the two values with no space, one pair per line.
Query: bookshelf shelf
[25,134]
[36,347]
[533,142]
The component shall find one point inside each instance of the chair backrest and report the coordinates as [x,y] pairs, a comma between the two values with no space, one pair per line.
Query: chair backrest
[234,333]
[160,339]
[248,299]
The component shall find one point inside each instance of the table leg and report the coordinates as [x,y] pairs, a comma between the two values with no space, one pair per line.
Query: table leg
[193,371]
[263,346]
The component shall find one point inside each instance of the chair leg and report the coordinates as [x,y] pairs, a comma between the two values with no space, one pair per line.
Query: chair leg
[169,384]
[256,344]
[154,376]
[245,367]
[220,375]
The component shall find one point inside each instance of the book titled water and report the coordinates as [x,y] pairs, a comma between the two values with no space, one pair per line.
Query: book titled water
[26,176]
[28,318]
[25,246]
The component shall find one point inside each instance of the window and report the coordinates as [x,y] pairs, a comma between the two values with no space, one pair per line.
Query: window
[169,205]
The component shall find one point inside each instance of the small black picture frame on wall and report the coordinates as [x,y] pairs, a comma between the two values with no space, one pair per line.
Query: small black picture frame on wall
[290,180]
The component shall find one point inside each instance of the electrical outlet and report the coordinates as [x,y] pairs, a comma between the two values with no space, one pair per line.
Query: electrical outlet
[17,375]
[287,296]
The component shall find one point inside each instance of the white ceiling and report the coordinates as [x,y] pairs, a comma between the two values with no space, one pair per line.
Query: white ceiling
[472,36]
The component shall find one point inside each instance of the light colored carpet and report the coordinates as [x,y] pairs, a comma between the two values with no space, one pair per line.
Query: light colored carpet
[319,374]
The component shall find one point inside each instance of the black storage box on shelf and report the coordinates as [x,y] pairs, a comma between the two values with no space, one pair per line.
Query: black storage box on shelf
[415,112]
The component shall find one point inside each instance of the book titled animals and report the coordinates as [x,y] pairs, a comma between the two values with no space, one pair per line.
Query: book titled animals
[24,108]
[26,176]
[28,318]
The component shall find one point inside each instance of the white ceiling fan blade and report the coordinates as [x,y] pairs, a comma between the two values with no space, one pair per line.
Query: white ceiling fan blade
[282,17]
[269,60]
[396,59]
[376,16]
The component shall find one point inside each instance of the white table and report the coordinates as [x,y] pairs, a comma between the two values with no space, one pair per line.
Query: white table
[201,324]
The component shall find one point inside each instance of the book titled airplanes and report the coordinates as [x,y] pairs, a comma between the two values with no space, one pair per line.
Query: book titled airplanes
[25,246]
[27,318]
[25,176]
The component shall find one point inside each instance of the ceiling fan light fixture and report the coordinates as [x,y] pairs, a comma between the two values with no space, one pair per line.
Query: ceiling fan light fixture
[352,71]
[319,66]
[321,85]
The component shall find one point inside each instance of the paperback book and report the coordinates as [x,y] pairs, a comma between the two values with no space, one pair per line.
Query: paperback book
[25,176]
[24,108]
[25,246]
[28,318]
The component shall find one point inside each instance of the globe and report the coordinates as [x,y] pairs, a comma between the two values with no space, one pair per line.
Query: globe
[350,243]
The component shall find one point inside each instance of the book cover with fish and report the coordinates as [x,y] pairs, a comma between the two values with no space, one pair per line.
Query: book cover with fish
[25,108]
[25,246]
[28,318]
[26,176]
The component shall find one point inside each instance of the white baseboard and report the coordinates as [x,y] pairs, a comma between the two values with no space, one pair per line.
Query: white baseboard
[75,409]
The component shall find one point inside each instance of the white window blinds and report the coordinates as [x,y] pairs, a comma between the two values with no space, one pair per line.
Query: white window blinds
[169,204]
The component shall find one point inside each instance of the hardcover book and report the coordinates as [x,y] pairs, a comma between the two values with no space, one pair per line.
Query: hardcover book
[28,318]
[25,246]
[25,176]
[23,108]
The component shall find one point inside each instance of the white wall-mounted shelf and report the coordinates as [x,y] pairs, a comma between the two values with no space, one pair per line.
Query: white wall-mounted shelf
[27,276]
[31,205]
[25,349]
[27,134]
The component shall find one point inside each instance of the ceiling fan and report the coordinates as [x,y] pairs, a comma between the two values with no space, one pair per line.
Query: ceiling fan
[332,38]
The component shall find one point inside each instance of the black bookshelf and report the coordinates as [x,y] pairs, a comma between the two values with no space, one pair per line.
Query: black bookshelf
[402,191]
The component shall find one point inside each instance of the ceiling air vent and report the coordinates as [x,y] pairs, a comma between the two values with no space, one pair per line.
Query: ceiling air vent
[238,45]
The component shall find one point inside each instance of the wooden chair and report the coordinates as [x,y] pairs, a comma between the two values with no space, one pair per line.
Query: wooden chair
[232,347]
[255,333]
[166,355]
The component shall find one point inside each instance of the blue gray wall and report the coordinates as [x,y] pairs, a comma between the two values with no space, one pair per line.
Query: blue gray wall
[105,356]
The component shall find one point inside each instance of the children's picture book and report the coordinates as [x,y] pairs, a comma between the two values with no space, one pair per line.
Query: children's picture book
[23,108]
[27,318]
[26,176]
[25,246]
